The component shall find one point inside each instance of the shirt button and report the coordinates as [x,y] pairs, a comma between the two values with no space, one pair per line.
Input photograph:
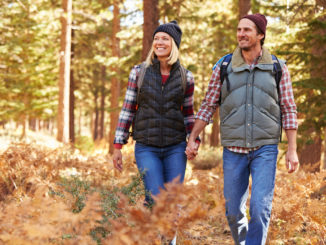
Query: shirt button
[248,124]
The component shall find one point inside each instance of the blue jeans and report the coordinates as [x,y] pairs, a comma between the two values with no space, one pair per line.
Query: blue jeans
[160,166]
[237,167]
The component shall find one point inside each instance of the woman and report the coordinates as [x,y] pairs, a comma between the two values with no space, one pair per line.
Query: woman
[162,112]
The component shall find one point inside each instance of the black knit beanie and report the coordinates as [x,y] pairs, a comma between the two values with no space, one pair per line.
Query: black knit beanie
[172,29]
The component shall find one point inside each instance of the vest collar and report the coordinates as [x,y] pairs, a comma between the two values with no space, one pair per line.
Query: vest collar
[156,65]
[265,62]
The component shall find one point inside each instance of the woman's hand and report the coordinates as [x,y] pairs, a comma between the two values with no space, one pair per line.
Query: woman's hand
[117,159]
[192,150]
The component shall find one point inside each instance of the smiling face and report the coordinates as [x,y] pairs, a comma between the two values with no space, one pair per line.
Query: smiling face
[247,35]
[162,44]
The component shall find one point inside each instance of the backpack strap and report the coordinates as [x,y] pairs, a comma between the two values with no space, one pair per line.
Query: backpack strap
[139,82]
[224,66]
[140,78]
[183,72]
[277,70]
[224,63]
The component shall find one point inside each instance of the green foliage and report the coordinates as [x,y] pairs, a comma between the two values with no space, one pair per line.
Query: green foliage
[110,198]
[27,68]
[307,53]
[93,62]
[30,43]
[209,32]
[78,189]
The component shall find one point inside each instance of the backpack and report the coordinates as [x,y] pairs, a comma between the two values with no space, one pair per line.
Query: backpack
[140,79]
[225,61]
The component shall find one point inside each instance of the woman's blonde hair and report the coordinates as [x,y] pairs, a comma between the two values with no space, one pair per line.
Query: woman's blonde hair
[174,55]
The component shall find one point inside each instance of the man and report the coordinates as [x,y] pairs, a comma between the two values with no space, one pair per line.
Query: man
[251,113]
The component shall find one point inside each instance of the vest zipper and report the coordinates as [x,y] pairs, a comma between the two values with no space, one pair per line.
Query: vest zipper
[161,112]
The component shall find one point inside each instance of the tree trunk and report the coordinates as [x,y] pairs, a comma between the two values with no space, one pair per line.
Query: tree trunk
[324,162]
[80,121]
[215,136]
[102,106]
[64,78]
[310,154]
[322,3]
[32,124]
[115,84]
[95,134]
[151,17]
[72,94]
[25,116]
[244,7]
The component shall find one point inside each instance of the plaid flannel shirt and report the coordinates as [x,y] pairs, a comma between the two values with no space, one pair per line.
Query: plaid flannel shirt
[130,103]
[287,104]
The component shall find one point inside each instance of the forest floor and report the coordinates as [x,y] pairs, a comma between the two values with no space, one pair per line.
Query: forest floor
[55,194]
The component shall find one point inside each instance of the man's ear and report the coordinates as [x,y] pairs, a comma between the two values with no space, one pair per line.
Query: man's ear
[261,36]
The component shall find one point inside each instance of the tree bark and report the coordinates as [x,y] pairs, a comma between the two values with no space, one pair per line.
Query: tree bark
[64,76]
[324,162]
[102,105]
[310,154]
[80,121]
[244,8]
[151,17]
[72,94]
[96,111]
[115,84]
[215,135]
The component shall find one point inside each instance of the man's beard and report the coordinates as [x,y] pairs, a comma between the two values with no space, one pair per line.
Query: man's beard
[246,48]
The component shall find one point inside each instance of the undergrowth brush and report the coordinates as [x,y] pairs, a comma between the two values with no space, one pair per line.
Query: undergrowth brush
[60,196]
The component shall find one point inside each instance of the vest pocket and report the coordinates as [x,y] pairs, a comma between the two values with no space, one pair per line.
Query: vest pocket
[233,111]
[266,113]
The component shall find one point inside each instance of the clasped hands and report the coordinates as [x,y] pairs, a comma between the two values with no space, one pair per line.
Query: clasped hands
[192,150]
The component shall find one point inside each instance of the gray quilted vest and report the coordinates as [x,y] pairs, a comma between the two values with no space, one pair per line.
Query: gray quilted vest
[250,112]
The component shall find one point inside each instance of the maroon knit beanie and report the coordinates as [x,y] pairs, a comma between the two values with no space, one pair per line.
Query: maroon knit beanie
[259,20]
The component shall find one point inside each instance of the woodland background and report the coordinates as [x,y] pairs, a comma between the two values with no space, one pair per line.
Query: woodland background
[64,69]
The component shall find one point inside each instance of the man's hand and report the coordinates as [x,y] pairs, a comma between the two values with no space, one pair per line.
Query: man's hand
[291,158]
[292,161]
[192,150]
[117,159]
[192,146]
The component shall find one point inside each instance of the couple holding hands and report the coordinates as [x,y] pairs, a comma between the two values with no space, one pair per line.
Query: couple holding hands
[254,108]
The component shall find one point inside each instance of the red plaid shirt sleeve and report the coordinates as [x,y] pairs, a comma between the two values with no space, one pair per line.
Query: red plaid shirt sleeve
[212,96]
[128,109]
[188,104]
[288,106]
